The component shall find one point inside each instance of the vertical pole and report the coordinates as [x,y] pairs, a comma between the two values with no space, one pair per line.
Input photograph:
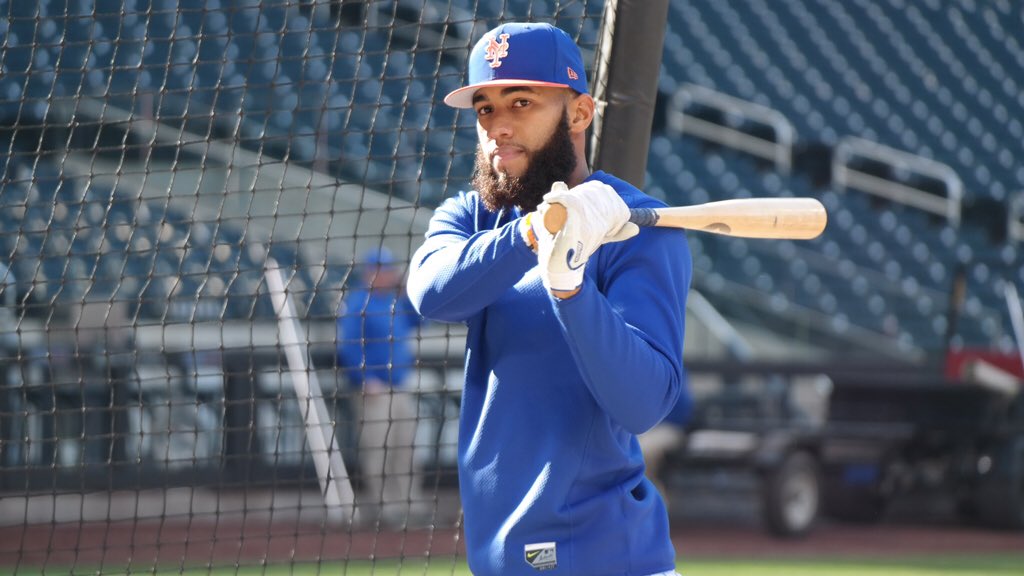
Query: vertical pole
[625,86]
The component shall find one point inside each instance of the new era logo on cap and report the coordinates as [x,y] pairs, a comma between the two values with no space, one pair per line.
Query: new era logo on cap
[522,54]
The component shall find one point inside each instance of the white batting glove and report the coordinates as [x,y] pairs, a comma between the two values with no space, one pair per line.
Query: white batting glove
[596,215]
[603,216]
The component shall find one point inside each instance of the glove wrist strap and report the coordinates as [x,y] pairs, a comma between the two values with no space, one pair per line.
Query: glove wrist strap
[528,234]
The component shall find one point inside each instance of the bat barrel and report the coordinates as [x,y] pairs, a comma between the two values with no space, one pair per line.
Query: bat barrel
[778,218]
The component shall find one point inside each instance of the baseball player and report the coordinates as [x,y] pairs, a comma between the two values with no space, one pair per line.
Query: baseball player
[575,338]
[376,328]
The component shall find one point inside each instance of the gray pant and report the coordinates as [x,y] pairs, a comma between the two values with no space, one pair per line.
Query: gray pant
[387,432]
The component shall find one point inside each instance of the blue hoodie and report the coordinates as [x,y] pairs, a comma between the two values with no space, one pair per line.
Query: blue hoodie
[551,475]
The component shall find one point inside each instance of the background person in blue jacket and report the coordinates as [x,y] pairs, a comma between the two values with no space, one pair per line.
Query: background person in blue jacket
[574,341]
[376,330]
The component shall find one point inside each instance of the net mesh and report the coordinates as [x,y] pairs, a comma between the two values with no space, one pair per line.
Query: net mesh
[155,154]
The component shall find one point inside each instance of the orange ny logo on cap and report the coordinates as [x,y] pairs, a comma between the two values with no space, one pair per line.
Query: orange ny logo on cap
[496,50]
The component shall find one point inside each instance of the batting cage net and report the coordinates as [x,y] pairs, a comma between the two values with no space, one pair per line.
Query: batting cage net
[202,203]
[197,197]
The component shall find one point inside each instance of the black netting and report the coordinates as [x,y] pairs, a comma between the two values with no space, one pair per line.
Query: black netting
[155,155]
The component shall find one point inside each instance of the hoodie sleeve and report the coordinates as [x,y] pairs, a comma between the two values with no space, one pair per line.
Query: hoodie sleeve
[625,327]
[460,269]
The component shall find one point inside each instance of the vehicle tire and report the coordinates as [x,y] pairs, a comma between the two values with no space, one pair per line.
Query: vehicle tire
[1000,495]
[791,493]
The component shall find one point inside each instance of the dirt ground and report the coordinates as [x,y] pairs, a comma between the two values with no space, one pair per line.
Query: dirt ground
[192,531]
[253,542]
[838,540]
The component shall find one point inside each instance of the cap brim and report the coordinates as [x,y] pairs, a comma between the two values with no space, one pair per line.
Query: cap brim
[463,97]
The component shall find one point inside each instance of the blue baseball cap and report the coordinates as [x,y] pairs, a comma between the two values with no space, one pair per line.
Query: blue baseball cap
[379,257]
[522,54]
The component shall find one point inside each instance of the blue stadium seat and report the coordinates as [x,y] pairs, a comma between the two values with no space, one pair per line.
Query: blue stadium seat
[938,79]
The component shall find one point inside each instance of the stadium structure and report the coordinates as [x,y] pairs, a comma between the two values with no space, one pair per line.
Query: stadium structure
[156,153]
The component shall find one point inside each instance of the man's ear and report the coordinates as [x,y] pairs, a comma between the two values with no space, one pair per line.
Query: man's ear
[581,112]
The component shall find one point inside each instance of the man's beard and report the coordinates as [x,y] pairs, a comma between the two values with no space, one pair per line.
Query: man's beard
[553,162]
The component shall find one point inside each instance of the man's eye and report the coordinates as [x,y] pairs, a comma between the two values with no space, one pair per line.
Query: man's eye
[483,110]
[521,103]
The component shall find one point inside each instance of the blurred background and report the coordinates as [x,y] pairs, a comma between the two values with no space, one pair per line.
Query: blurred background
[155,154]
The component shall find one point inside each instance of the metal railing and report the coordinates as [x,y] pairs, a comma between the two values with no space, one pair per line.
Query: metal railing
[850,148]
[1015,217]
[778,150]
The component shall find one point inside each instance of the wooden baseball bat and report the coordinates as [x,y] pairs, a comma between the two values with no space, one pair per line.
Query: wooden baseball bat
[778,218]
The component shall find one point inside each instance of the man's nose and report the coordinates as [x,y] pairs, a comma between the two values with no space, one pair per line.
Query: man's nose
[500,126]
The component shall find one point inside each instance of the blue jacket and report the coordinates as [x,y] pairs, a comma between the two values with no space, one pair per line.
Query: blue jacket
[376,332]
[556,391]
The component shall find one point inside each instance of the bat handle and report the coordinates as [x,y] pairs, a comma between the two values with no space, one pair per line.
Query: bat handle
[643,216]
[554,218]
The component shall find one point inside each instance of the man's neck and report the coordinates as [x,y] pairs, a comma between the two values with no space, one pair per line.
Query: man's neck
[581,173]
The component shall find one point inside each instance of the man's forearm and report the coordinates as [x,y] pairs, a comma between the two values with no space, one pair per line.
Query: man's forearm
[453,278]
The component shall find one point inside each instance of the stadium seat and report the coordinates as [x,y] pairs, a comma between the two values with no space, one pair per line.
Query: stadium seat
[941,82]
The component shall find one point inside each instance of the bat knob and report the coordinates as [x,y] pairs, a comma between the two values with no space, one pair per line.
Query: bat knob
[554,218]
[555,214]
